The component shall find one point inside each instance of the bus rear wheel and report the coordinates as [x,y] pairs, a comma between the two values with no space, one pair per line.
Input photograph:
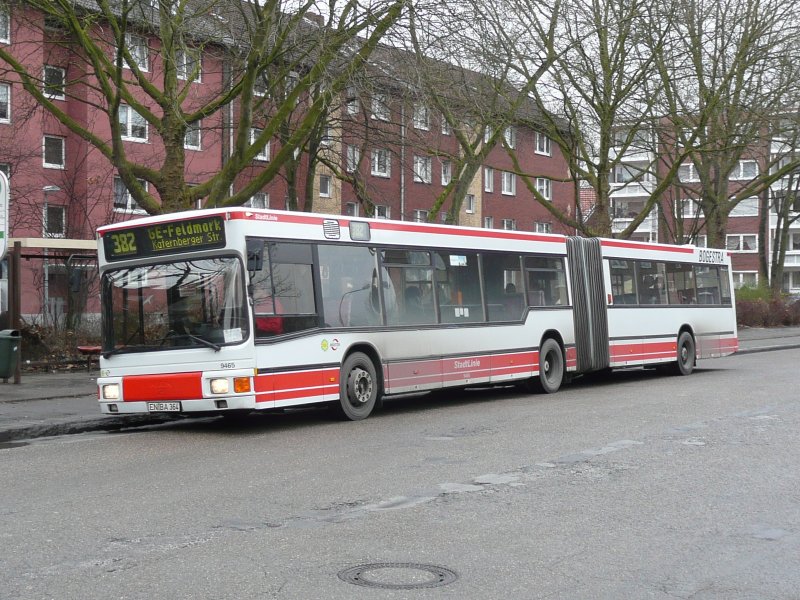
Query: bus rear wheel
[358,387]
[551,366]
[686,354]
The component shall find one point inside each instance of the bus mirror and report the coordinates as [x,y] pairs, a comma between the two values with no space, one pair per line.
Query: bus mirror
[255,255]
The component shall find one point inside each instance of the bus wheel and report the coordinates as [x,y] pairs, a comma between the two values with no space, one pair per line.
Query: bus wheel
[358,387]
[686,354]
[551,366]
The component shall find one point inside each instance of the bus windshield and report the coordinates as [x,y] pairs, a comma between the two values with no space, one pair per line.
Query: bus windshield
[180,304]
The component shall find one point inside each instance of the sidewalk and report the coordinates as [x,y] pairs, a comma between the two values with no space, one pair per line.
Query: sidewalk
[46,404]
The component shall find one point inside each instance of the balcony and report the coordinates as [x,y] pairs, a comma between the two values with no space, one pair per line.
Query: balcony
[632,188]
[647,229]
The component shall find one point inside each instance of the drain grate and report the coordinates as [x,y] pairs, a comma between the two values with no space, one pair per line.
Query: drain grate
[398,576]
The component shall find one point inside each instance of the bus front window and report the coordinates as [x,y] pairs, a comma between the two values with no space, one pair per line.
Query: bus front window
[181,304]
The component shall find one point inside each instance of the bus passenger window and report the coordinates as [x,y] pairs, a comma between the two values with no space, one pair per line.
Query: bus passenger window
[547,281]
[350,295]
[503,287]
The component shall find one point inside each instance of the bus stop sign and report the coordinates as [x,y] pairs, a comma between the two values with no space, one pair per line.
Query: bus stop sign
[3,215]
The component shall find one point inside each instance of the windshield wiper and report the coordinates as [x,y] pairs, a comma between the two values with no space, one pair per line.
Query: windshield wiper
[171,334]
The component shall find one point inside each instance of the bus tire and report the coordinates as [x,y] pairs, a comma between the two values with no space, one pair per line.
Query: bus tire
[686,354]
[551,366]
[358,387]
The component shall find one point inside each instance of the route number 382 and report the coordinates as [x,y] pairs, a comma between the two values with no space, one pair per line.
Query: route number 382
[124,243]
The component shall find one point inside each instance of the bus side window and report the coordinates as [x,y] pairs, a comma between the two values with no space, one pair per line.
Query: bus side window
[503,287]
[348,275]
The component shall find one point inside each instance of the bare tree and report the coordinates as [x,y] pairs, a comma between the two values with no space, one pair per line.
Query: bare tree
[258,47]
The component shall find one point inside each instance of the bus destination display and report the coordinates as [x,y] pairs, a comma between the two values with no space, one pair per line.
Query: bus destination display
[165,238]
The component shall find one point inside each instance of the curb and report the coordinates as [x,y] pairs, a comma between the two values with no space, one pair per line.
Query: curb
[84,425]
[767,349]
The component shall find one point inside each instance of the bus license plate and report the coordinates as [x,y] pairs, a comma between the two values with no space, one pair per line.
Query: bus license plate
[164,406]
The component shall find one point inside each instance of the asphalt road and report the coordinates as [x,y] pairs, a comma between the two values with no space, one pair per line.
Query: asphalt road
[639,486]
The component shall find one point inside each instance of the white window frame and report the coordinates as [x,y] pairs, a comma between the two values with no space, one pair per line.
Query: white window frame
[130,115]
[383,211]
[380,107]
[258,200]
[747,207]
[192,128]
[738,173]
[488,222]
[377,169]
[185,62]
[61,94]
[326,136]
[692,174]
[701,240]
[63,163]
[447,172]
[488,179]
[139,50]
[422,117]
[508,183]
[351,103]
[446,130]
[741,237]
[7,93]
[542,227]
[352,158]
[423,165]
[739,282]
[420,215]
[351,209]
[544,145]
[510,134]
[46,221]
[5,23]
[130,204]
[469,204]
[325,184]
[545,187]
[263,154]
[509,224]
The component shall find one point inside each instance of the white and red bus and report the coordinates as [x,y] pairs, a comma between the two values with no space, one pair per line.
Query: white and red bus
[223,311]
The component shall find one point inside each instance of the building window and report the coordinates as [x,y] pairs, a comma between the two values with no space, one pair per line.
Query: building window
[469,203]
[488,222]
[421,117]
[746,169]
[55,223]
[188,63]
[137,46]
[422,169]
[263,153]
[745,279]
[382,212]
[545,187]
[351,101]
[742,243]
[351,209]
[55,82]
[134,127]
[510,224]
[688,172]
[700,240]
[509,183]
[447,172]
[746,208]
[5,23]
[192,139]
[446,130]
[326,137]
[54,152]
[5,103]
[541,227]
[123,201]
[420,216]
[325,186]
[488,179]
[380,107]
[381,163]
[258,200]
[510,135]
[543,144]
[352,158]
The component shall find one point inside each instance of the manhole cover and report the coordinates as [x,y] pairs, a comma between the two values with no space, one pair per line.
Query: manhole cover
[398,576]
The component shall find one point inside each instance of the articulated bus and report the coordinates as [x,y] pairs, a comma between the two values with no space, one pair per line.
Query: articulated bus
[232,310]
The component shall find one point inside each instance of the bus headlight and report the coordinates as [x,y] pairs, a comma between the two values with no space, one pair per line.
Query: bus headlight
[111,391]
[219,386]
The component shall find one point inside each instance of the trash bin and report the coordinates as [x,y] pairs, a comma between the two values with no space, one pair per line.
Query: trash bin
[10,346]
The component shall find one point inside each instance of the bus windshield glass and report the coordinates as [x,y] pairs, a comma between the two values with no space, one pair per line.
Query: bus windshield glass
[180,304]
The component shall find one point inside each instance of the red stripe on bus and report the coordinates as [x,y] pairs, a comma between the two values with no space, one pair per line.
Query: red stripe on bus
[643,246]
[166,386]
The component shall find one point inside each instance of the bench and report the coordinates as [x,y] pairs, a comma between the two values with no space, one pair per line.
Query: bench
[90,352]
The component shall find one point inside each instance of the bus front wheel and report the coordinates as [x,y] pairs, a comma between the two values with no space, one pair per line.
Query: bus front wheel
[686,354]
[358,387]
[551,366]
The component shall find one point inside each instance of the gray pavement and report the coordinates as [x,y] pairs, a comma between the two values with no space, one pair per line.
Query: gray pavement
[47,404]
